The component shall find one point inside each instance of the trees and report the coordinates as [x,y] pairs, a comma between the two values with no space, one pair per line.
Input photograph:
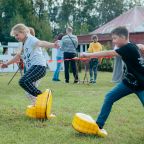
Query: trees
[50,17]
[76,13]
[24,11]
[109,10]
[87,15]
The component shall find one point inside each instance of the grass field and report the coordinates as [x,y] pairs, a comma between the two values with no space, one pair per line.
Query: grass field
[124,126]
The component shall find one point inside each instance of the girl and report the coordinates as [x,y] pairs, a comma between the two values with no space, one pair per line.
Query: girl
[32,56]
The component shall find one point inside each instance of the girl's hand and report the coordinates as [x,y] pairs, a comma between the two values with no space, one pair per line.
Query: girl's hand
[56,44]
[4,65]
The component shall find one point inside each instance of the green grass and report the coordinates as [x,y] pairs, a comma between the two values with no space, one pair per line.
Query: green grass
[125,124]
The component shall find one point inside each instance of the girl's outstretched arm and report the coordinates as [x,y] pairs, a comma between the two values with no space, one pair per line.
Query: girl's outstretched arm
[46,44]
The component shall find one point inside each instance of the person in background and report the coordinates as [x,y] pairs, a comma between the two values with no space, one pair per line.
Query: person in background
[32,31]
[59,59]
[69,45]
[95,46]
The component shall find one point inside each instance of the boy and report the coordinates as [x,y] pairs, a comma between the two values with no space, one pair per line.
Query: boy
[133,81]
[59,58]
[69,44]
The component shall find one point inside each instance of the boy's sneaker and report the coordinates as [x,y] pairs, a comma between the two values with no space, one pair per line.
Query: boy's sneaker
[102,133]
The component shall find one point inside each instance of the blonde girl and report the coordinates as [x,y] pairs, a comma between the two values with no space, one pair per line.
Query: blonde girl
[33,58]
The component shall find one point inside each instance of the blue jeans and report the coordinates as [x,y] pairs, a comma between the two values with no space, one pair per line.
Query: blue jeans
[118,92]
[93,64]
[58,68]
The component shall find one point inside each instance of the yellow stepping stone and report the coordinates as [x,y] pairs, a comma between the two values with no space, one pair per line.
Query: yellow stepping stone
[42,108]
[86,124]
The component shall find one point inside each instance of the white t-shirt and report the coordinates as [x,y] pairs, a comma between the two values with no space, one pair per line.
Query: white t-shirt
[32,55]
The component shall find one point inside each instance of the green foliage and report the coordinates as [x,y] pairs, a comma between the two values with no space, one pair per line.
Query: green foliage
[50,17]
[85,15]
[27,12]
[106,65]
[109,10]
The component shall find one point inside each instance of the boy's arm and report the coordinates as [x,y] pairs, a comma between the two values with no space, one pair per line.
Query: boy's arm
[46,44]
[100,54]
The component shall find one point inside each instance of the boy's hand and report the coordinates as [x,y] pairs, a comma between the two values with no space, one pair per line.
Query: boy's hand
[142,50]
[84,54]
[75,58]
[141,47]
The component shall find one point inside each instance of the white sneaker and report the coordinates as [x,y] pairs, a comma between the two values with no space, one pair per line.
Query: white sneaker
[102,133]
[31,98]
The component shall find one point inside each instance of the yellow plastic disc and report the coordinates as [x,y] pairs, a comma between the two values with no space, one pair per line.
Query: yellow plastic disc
[42,108]
[31,111]
[49,104]
[41,104]
[85,124]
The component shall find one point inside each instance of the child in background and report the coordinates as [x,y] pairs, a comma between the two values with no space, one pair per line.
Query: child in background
[95,46]
[32,31]
[133,81]
[59,57]
[33,58]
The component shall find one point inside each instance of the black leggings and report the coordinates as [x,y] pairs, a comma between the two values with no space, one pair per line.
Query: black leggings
[35,73]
